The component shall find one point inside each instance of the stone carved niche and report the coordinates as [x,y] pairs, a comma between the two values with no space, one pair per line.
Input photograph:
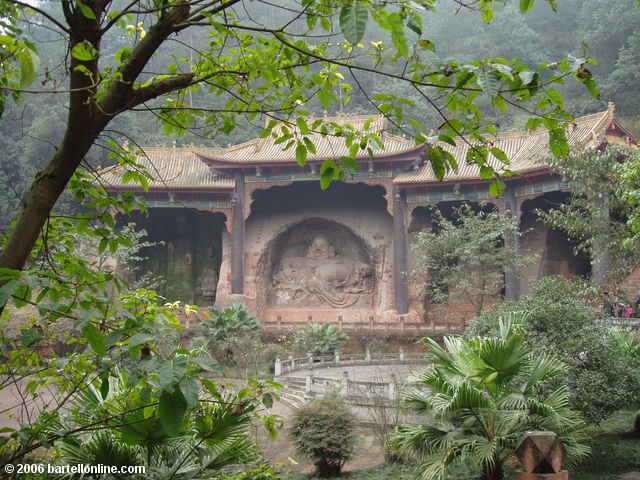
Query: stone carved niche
[320,263]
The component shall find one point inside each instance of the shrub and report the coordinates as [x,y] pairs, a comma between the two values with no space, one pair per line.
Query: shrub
[228,322]
[320,338]
[602,376]
[479,397]
[323,431]
[225,327]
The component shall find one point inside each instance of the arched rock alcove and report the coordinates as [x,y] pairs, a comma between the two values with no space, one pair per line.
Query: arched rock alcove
[317,264]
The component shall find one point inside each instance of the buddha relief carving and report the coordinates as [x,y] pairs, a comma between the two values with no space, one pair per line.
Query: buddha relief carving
[321,278]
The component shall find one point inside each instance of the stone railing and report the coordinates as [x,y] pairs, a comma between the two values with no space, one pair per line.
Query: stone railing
[621,322]
[355,392]
[309,382]
[310,362]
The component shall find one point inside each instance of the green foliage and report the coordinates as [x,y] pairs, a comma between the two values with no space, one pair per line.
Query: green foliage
[261,472]
[225,324]
[143,387]
[323,431]
[319,339]
[627,341]
[213,434]
[466,256]
[614,450]
[561,320]
[19,58]
[596,216]
[479,397]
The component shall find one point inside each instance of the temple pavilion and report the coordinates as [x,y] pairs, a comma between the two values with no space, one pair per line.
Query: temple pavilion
[248,224]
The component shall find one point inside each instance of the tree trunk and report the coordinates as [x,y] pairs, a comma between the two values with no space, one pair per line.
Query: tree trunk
[327,469]
[42,196]
[493,472]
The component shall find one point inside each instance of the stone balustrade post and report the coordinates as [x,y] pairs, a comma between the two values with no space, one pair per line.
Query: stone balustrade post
[277,369]
[542,457]
[401,354]
[337,356]
[308,381]
[367,355]
[393,382]
[345,379]
[310,360]
[292,363]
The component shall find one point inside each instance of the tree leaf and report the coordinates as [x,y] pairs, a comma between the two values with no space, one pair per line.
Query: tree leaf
[84,51]
[353,21]
[190,391]
[427,44]
[31,336]
[7,290]
[486,172]
[496,188]
[86,10]
[301,153]
[500,155]
[558,142]
[91,333]
[527,76]
[206,363]
[104,386]
[29,63]
[171,411]
[526,5]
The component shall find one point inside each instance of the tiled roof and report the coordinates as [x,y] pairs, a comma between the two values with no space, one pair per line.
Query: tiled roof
[172,168]
[525,150]
[183,167]
[261,150]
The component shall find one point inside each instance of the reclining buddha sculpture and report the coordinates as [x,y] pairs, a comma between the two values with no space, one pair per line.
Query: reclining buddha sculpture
[321,278]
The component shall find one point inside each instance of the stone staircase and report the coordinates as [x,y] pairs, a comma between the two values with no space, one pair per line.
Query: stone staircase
[293,393]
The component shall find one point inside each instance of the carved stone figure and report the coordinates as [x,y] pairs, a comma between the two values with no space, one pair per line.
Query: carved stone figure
[321,277]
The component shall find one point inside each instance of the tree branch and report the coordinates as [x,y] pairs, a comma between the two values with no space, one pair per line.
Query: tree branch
[41,12]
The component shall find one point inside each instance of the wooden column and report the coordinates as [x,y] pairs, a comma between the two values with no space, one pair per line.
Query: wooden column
[400,248]
[511,275]
[237,237]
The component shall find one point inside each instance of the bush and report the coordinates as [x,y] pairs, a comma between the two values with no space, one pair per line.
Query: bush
[225,327]
[228,322]
[320,339]
[323,431]
[603,376]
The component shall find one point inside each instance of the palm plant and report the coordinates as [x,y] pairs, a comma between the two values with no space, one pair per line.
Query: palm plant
[320,338]
[214,434]
[480,396]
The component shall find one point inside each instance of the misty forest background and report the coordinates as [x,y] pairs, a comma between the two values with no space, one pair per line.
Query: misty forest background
[608,31]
